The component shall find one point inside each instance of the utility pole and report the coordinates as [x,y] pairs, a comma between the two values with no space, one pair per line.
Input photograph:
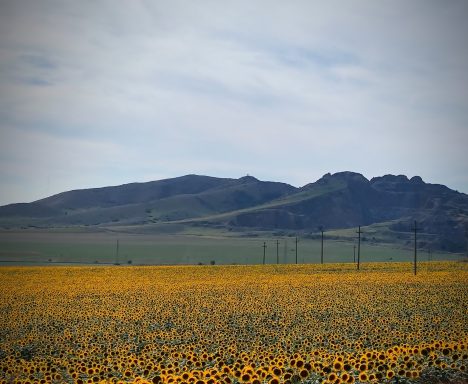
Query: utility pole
[277,251]
[415,229]
[359,247]
[466,237]
[264,251]
[296,249]
[117,253]
[321,253]
[285,251]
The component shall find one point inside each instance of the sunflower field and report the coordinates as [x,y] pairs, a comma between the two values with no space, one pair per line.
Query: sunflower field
[235,324]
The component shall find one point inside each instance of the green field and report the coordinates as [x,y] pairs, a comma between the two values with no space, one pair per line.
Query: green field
[49,247]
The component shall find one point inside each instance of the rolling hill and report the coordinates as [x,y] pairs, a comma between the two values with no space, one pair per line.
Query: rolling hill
[189,196]
[335,202]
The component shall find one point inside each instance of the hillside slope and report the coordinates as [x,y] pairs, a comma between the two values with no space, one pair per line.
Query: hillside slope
[347,199]
[138,203]
[338,201]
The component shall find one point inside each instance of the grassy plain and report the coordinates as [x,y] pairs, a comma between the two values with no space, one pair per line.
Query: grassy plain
[234,324]
[47,246]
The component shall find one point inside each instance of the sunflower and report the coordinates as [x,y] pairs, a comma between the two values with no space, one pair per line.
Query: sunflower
[363,377]
[304,373]
[338,365]
[277,371]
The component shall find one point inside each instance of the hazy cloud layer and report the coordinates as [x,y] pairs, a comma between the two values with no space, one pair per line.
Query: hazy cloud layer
[94,93]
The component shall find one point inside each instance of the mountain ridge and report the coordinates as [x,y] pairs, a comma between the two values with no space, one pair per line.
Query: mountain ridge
[335,201]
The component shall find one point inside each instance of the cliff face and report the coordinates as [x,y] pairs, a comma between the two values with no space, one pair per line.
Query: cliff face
[349,199]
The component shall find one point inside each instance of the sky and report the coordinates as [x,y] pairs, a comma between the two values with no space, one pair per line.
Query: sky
[98,93]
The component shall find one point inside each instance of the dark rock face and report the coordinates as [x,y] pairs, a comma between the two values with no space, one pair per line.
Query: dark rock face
[439,210]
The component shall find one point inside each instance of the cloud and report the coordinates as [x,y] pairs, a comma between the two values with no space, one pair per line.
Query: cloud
[279,90]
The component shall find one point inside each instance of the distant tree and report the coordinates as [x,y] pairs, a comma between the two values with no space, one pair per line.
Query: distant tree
[212,262]
[129,262]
